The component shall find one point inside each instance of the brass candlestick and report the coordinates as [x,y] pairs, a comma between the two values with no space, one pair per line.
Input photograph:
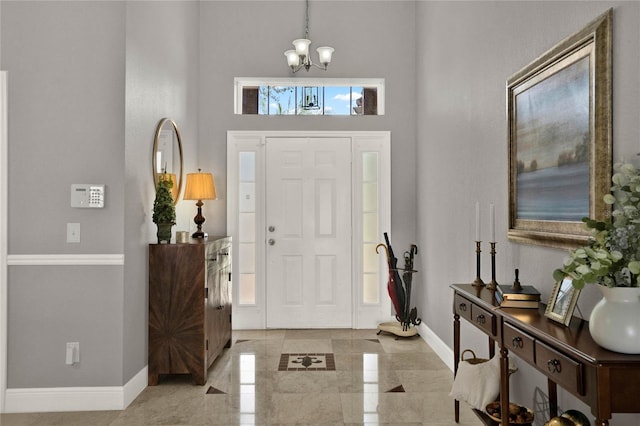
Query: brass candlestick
[493,284]
[478,281]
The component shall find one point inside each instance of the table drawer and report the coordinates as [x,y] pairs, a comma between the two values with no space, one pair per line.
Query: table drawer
[462,307]
[518,343]
[560,368]
[483,319]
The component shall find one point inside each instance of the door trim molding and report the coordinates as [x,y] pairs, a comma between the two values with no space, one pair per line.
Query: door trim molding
[254,316]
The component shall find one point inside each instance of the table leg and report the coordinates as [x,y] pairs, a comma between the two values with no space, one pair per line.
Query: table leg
[553,398]
[456,359]
[504,385]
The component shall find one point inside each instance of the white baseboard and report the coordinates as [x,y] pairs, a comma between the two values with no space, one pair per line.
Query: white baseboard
[136,385]
[439,347]
[42,400]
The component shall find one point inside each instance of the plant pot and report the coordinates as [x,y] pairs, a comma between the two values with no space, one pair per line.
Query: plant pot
[164,233]
[615,320]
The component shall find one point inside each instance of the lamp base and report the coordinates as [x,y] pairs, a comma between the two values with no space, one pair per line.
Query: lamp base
[199,234]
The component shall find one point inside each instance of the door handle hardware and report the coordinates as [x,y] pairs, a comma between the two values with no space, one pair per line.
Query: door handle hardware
[554,366]
[271,241]
[272,229]
[516,342]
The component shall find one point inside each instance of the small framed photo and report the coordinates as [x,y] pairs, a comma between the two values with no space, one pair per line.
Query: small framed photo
[562,302]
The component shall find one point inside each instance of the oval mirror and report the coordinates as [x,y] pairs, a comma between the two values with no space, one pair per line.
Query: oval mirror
[167,155]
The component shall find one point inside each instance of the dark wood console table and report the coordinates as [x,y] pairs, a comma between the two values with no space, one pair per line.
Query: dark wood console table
[608,382]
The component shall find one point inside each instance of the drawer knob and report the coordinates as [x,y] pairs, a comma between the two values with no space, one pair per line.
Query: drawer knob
[554,366]
[463,307]
[480,319]
[517,342]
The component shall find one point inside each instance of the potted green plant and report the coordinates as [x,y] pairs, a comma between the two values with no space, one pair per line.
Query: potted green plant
[164,210]
[612,260]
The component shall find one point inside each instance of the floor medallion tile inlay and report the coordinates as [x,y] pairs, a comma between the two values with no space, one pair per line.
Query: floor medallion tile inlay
[214,391]
[307,362]
[397,389]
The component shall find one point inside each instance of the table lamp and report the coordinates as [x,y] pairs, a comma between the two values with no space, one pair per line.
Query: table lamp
[200,186]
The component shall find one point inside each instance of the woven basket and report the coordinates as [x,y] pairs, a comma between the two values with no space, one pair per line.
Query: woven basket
[475,360]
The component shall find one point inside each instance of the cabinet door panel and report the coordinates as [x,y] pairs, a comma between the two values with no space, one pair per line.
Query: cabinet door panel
[176,310]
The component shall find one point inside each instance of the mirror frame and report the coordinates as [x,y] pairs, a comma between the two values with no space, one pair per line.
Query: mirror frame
[155,150]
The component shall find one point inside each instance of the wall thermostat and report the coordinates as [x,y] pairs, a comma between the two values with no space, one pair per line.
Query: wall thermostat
[85,195]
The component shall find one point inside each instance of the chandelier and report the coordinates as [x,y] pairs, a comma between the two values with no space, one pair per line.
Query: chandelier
[299,58]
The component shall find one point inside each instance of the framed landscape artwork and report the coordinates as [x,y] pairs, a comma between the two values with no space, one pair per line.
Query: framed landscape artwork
[559,127]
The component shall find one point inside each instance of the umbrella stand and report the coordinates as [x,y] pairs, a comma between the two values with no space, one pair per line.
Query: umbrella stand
[400,292]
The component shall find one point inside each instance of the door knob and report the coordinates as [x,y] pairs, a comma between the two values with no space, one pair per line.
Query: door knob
[271,241]
[272,228]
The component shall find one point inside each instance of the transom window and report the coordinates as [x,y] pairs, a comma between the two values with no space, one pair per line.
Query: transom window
[325,96]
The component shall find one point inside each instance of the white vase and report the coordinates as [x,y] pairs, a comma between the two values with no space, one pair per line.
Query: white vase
[615,320]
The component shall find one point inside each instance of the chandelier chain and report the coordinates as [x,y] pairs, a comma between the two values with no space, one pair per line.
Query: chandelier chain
[300,58]
[306,32]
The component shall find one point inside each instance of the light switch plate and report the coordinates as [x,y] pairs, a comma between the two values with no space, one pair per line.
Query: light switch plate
[73,232]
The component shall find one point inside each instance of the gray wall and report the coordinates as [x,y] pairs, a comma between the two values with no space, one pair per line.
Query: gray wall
[88,83]
[467,51]
[248,39]
[162,81]
[65,62]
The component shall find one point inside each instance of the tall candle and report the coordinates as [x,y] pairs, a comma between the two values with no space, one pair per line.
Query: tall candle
[477,221]
[492,223]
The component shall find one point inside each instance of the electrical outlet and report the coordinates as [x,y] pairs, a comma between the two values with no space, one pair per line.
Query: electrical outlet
[73,353]
[73,232]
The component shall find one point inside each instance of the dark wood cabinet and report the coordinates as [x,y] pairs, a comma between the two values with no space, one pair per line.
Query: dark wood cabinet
[608,382]
[189,306]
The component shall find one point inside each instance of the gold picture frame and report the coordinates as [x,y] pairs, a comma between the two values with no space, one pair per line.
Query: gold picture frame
[559,131]
[562,302]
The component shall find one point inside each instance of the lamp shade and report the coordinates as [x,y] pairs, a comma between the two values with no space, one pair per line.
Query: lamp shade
[325,53]
[292,58]
[302,46]
[200,186]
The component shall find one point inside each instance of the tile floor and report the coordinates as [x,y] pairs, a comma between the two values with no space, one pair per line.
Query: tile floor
[377,380]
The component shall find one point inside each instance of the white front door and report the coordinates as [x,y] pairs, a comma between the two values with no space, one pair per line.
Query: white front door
[308,236]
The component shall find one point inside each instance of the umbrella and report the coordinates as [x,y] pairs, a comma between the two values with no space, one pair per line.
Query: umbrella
[393,270]
[391,286]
